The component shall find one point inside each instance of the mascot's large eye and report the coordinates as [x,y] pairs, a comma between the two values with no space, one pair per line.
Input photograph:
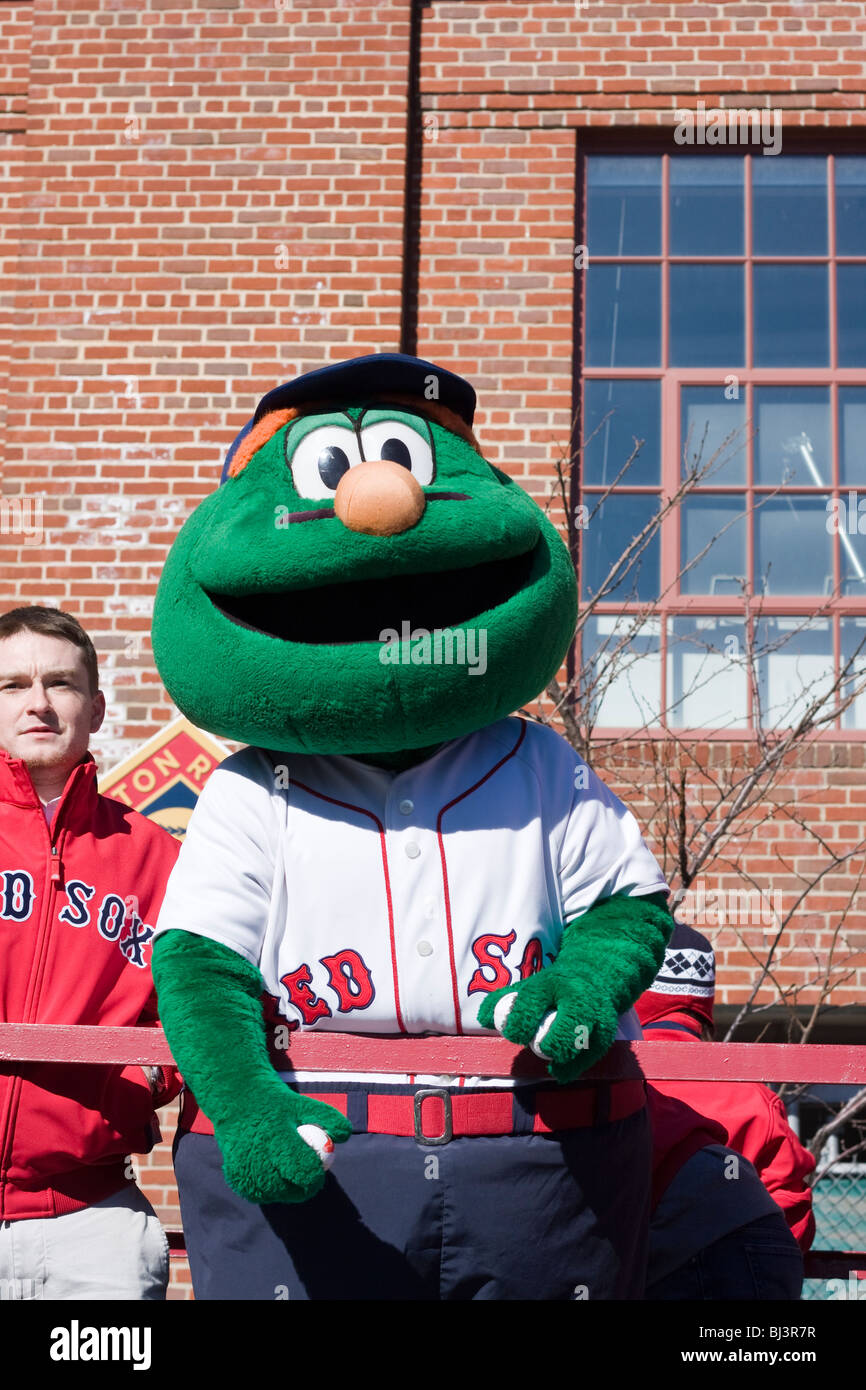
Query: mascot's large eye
[321,458]
[394,440]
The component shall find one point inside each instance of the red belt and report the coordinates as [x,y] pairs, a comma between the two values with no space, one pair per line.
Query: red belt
[434,1116]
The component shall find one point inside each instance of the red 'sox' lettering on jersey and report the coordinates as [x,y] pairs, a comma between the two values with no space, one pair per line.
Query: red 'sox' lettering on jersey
[533,959]
[489,950]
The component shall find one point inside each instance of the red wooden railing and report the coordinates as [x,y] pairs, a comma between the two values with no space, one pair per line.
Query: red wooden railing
[476,1056]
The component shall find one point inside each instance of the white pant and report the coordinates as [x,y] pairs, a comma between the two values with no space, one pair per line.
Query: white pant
[114,1249]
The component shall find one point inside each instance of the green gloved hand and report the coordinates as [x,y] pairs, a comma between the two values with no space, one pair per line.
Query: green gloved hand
[568,1011]
[211,1010]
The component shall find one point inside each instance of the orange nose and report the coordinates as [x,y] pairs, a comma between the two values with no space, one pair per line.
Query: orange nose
[379,498]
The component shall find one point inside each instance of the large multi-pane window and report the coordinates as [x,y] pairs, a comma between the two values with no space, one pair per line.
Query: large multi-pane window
[724,324]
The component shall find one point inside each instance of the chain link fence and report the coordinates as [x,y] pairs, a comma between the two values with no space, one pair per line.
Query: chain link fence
[838,1200]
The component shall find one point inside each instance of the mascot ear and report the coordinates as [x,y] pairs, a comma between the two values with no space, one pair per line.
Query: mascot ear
[257,437]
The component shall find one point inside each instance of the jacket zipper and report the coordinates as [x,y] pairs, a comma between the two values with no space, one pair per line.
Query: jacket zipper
[55,870]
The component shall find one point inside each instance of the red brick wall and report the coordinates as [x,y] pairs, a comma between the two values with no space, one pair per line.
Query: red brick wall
[507,90]
[15,27]
[205,200]
[810,816]
[212,203]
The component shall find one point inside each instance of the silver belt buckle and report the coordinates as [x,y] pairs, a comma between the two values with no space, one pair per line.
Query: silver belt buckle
[448,1132]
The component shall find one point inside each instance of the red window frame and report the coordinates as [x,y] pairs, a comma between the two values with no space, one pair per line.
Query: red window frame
[674,378]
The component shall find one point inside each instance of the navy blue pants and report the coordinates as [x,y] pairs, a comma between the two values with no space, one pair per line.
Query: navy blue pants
[760,1260]
[527,1216]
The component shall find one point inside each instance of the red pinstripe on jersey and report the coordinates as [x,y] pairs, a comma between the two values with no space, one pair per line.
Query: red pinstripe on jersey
[447,807]
[362,810]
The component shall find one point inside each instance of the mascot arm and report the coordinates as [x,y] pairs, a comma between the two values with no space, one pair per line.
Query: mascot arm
[569,1010]
[211,1009]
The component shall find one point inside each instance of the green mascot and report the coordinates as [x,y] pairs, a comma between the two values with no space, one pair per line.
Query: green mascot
[364,602]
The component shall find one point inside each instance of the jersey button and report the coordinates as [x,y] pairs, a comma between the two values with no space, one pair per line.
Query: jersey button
[407,807]
[413,850]
[424,948]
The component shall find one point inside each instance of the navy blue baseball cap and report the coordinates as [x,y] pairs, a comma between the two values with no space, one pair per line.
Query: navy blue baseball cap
[376,374]
[379,372]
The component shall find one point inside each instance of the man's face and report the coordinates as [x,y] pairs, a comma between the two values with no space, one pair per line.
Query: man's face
[47,711]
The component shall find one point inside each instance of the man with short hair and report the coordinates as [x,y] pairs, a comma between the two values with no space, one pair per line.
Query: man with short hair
[81,883]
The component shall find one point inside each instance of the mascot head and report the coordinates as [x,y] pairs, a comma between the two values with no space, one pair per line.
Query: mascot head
[362,580]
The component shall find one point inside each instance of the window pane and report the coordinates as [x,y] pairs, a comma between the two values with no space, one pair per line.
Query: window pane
[623,316]
[707,685]
[850,205]
[707,324]
[712,522]
[852,634]
[847,519]
[793,546]
[613,525]
[789,206]
[852,435]
[713,426]
[792,444]
[622,687]
[706,205]
[851,314]
[633,411]
[624,205]
[795,667]
[791,322]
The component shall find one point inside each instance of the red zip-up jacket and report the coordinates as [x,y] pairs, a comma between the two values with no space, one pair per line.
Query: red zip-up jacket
[751,1119]
[78,903]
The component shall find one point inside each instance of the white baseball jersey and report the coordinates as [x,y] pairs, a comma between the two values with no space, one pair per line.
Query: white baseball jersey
[382,902]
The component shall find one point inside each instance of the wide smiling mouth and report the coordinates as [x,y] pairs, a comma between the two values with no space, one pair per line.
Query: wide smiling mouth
[362,610]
